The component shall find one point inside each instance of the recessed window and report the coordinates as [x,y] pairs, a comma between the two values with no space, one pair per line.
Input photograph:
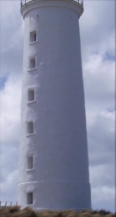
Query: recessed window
[32,63]
[30,162]
[33,36]
[30,95]
[30,198]
[30,127]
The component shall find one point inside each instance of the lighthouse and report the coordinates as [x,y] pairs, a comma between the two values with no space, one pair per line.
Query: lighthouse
[53,161]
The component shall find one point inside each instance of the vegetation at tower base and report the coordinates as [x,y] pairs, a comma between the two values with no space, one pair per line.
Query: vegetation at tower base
[16,211]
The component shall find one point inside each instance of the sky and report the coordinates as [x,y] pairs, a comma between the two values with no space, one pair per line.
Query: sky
[97,30]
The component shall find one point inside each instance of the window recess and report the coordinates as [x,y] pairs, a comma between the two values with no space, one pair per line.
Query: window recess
[30,127]
[30,162]
[32,63]
[31,95]
[33,36]
[30,198]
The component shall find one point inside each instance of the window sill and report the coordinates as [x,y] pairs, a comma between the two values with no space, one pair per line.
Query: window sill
[31,102]
[33,42]
[31,134]
[33,69]
[29,170]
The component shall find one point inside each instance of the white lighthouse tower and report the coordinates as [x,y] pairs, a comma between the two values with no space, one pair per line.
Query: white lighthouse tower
[53,170]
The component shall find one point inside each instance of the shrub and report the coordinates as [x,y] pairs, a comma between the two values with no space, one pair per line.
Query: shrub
[15,211]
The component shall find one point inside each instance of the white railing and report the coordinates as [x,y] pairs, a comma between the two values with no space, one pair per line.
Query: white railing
[23,2]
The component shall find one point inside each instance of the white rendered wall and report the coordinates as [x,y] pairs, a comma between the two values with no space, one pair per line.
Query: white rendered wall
[60,177]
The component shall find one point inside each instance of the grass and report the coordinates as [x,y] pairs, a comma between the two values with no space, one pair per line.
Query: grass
[16,211]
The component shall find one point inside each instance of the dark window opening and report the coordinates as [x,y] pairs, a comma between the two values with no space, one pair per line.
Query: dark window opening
[30,95]
[29,198]
[32,63]
[33,36]
[30,162]
[30,127]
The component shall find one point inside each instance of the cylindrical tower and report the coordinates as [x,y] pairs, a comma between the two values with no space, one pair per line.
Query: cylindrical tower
[53,169]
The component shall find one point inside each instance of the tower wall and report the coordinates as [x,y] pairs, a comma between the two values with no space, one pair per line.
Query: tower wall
[59,178]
